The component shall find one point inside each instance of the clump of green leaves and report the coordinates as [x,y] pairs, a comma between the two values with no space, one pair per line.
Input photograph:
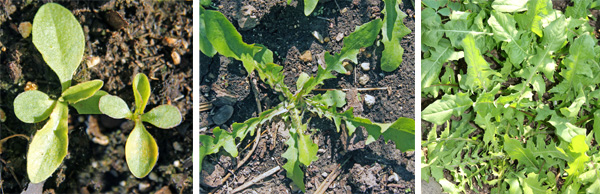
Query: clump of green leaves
[59,38]
[219,35]
[521,104]
[141,151]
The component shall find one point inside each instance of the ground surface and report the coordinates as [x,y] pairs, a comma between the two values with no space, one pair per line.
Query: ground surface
[115,52]
[286,31]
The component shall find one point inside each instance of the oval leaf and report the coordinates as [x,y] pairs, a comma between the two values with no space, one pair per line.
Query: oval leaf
[141,91]
[59,38]
[163,116]
[82,91]
[141,151]
[114,107]
[33,106]
[90,105]
[49,145]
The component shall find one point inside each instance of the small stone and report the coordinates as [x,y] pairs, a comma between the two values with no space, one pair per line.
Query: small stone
[30,86]
[247,20]
[393,178]
[363,79]
[339,37]
[177,163]
[324,174]
[25,29]
[169,41]
[222,115]
[369,100]
[306,56]
[320,151]
[344,10]
[318,36]
[177,147]
[176,58]
[153,177]
[348,67]
[365,66]
[144,187]
[123,183]
[95,60]
[327,39]
[164,190]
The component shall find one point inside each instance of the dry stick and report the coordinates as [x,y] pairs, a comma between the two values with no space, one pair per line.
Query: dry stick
[205,106]
[256,139]
[336,172]
[255,180]
[358,89]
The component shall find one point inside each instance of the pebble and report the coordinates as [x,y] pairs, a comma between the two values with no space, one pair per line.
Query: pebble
[318,36]
[144,187]
[176,58]
[339,37]
[123,183]
[363,79]
[25,29]
[177,147]
[177,163]
[95,60]
[324,174]
[153,177]
[369,100]
[306,56]
[365,66]
[393,178]
[344,10]
[222,115]
[247,19]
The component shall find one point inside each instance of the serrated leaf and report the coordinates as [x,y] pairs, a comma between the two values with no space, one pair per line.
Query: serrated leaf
[373,129]
[393,30]
[307,150]
[90,105]
[579,9]
[579,159]
[564,129]
[58,36]
[49,145]
[441,110]
[515,150]
[225,140]
[331,98]
[141,92]
[114,107]
[478,70]
[402,132]
[531,184]
[163,116]
[81,91]
[141,151]
[363,36]
[432,66]
[33,106]
[292,166]
[223,36]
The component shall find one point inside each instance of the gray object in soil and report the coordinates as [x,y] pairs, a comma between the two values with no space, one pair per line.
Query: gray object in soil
[222,115]
[431,187]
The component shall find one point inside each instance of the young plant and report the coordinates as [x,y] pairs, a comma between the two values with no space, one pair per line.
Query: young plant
[302,151]
[141,151]
[59,38]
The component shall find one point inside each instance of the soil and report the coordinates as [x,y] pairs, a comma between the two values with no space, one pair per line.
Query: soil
[123,38]
[286,31]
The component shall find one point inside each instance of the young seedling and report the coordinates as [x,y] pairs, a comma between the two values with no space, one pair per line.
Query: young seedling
[59,38]
[141,150]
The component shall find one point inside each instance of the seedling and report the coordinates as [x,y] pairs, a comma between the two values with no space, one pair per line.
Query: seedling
[59,38]
[141,151]
[220,36]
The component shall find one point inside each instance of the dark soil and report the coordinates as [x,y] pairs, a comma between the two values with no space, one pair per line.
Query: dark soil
[127,38]
[286,31]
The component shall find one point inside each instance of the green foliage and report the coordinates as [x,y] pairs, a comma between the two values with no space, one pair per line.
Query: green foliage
[518,110]
[141,151]
[301,151]
[393,30]
[59,37]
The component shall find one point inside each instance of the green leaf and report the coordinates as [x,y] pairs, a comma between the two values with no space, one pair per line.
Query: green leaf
[114,107]
[597,125]
[331,98]
[532,185]
[579,9]
[223,36]
[141,91]
[33,106]
[441,110]
[58,36]
[141,151]
[49,145]
[373,129]
[564,129]
[205,45]
[478,70]
[163,116]
[309,6]
[292,166]
[81,91]
[302,79]
[363,36]
[579,159]
[307,150]
[224,139]
[431,67]
[402,132]
[504,29]
[515,150]
[393,30]
[509,5]
[91,104]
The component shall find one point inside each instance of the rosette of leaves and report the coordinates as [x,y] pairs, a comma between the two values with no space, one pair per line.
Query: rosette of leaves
[141,150]
[219,35]
[59,38]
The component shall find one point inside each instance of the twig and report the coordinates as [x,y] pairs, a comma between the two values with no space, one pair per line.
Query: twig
[336,4]
[325,184]
[357,89]
[256,139]
[205,106]
[255,180]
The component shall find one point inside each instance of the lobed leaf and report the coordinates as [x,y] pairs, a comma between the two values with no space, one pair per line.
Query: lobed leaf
[292,166]
[114,107]
[515,150]
[393,30]
[81,91]
[49,145]
[58,36]
[478,70]
[163,116]
[402,132]
[363,36]
[441,110]
[141,151]
[33,106]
